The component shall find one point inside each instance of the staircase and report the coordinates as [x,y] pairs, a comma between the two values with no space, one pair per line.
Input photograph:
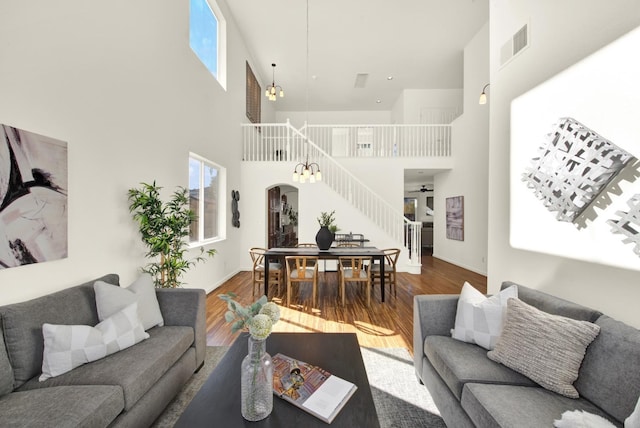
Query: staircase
[281,142]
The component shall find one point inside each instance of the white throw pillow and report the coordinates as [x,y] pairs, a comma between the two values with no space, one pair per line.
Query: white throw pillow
[111,299]
[69,346]
[633,421]
[479,318]
[581,419]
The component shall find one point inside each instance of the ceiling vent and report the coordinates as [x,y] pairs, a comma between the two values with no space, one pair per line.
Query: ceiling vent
[516,44]
[361,80]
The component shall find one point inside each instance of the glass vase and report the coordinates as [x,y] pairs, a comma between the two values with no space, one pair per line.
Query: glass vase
[257,381]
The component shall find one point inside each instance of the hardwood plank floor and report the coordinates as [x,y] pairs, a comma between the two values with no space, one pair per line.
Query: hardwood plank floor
[383,325]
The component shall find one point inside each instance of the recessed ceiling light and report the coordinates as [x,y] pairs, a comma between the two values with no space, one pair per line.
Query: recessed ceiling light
[389,77]
[378,101]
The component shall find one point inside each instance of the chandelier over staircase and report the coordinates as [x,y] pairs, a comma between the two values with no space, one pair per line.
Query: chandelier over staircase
[272,90]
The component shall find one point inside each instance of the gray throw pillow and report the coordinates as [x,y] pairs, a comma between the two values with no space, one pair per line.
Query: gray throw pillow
[111,299]
[546,348]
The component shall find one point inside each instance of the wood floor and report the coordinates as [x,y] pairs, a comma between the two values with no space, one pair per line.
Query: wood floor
[383,325]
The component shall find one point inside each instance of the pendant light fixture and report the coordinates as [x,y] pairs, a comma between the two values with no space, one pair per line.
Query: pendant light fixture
[272,90]
[307,171]
[304,170]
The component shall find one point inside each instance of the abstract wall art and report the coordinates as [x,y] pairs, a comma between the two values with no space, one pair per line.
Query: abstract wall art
[574,168]
[33,198]
[455,218]
[628,223]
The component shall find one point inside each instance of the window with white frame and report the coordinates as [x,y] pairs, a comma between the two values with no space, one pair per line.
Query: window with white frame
[206,200]
[207,37]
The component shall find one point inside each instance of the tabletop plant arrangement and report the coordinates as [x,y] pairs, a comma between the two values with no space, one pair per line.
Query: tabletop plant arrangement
[328,229]
[256,370]
[164,227]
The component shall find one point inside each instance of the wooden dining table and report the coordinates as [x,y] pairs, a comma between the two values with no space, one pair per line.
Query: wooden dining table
[273,255]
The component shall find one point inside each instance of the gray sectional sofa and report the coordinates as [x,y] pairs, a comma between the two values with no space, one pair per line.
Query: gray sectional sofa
[470,390]
[129,388]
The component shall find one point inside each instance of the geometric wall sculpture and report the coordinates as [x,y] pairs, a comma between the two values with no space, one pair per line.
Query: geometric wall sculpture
[572,168]
[628,223]
[33,198]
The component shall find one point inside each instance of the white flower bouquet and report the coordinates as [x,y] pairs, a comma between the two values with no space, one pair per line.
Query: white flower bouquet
[258,318]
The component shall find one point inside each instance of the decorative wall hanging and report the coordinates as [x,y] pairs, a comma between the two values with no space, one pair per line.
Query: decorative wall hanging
[235,219]
[584,172]
[455,218]
[628,223]
[33,198]
[573,167]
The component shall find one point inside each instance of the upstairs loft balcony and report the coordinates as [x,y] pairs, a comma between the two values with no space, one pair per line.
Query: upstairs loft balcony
[282,142]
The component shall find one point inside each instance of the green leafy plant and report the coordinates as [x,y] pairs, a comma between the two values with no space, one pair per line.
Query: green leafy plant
[328,220]
[258,318]
[164,227]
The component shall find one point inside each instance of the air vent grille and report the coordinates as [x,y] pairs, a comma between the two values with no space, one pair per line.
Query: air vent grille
[361,80]
[520,40]
[514,45]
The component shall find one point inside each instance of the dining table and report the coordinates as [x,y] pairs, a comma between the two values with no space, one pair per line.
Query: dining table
[273,255]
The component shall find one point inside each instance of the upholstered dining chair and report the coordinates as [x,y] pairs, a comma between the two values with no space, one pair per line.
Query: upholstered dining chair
[353,269]
[257,273]
[302,269]
[390,262]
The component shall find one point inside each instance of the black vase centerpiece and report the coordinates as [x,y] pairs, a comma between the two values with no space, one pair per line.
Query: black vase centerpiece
[324,238]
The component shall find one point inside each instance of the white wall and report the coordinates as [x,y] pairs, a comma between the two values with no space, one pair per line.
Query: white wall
[418,103]
[117,81]
[356,117]
[561,33]
[468,178]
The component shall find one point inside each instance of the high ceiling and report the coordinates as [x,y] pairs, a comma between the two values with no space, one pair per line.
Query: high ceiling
[418,42]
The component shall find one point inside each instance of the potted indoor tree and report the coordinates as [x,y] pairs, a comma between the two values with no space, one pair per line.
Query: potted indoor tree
[328,228]
[164,227]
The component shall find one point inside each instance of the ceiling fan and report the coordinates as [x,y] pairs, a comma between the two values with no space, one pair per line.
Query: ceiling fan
[422,189]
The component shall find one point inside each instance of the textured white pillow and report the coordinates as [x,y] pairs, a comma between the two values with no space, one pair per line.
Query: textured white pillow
[479,318]
[111,299]
[581,419]
[69,346]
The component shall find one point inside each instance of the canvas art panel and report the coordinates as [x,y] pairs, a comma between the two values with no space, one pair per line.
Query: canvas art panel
[33,198]
[574,167]
[455,218]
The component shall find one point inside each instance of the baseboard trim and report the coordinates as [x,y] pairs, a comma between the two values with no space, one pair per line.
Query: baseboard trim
[455,262]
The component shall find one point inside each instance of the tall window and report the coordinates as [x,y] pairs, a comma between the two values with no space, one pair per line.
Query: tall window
[207,36]
[206,180]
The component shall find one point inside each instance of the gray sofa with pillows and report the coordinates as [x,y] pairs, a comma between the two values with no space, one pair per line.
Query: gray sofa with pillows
[471,389]
[129,387]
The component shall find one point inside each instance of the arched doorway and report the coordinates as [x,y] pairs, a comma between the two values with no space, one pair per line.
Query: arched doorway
[282,216]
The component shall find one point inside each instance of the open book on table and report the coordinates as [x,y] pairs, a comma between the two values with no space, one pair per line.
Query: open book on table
[309,387]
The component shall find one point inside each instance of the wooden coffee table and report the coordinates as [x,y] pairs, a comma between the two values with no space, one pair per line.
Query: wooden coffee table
[218,401]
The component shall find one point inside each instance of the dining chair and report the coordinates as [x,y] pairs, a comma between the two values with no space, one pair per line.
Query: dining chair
[307,245]
[347,244]
[302,269]
[353,269]
[390,262]
[257,273]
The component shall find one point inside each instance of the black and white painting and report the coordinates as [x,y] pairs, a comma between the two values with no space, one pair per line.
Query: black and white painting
[33,198]
[575,144]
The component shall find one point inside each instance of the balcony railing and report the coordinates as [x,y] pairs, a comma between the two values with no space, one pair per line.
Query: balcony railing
[278,142]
